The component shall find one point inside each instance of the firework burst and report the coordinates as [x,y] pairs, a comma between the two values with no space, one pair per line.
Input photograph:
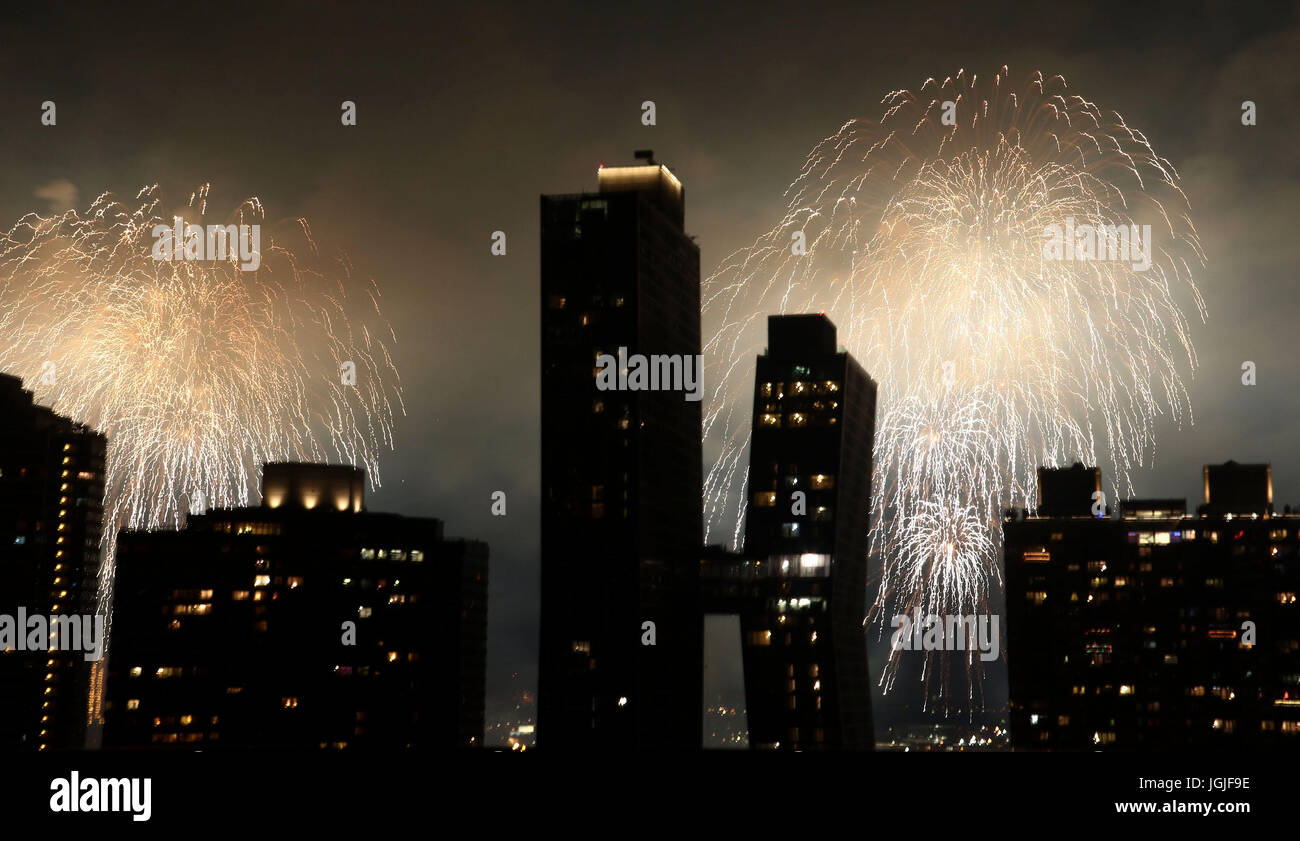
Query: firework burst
[197,371]
[924,235]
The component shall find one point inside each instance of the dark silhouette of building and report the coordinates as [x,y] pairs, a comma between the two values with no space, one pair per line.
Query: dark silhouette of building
[800,586]
[51,516]
[305,622]
[1155,629]
[1068,491]
[621,520]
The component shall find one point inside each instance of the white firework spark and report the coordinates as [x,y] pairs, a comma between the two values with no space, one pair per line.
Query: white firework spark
[925,245]
[198,372]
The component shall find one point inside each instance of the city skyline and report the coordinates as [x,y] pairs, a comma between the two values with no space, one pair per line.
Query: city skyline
[465,319]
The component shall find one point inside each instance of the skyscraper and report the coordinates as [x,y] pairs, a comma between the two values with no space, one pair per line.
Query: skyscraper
[51,515]
[621,526]
[800,588]
[1155,629]
[306,622]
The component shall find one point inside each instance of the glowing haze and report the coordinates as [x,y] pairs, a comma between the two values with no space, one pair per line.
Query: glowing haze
[923,238]
[198,372]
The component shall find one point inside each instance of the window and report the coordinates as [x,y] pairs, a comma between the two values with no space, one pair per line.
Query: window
[821,481]
[765,499]
[581,647]
[789,529]
[759,638]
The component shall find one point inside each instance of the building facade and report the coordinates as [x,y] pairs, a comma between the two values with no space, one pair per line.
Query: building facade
[51,517]
[1157,628]
[306,622]
[621,519]
[800,586]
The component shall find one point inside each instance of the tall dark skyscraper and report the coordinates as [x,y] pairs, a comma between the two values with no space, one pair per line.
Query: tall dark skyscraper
[51,516]
[1156,629]
[307,622]
[621,468]
[800,588]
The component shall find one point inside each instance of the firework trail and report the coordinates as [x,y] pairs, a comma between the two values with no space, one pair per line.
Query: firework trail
[925,236]
[197,371]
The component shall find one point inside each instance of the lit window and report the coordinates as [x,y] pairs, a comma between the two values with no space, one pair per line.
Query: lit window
[261,581]
[821,481]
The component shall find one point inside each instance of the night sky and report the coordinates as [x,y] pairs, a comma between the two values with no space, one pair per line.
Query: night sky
[467,112]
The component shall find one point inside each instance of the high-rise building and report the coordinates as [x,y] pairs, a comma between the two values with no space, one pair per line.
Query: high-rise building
[800,587]
[51,516]
[306,622]
[621,520]
[1155,629]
